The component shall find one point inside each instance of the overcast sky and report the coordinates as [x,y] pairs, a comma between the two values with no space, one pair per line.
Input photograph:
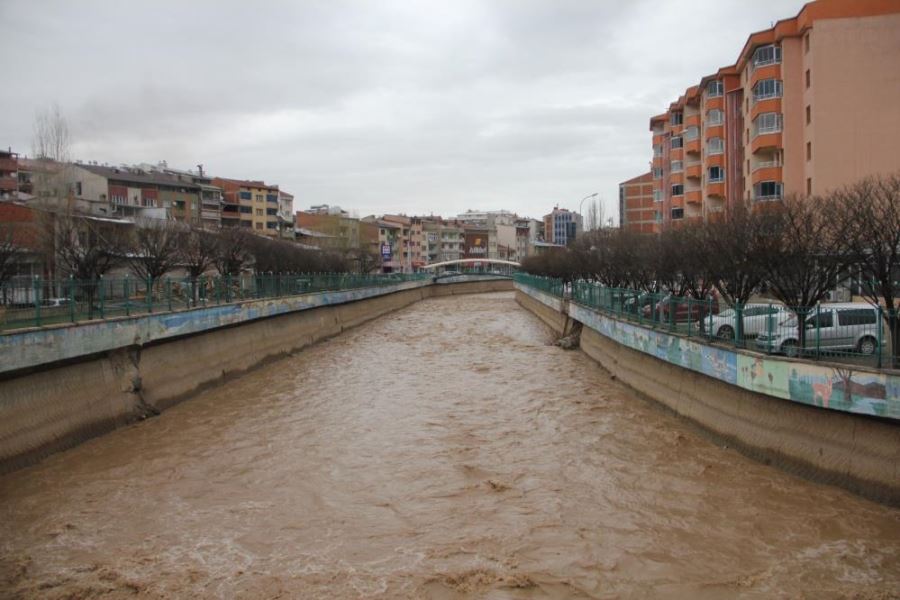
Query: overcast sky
[380,105]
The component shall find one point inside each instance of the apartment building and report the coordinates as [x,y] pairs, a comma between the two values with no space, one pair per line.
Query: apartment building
[251,204]
[389,242]
[637,210]
[444,239]
[562,226]
[809,105]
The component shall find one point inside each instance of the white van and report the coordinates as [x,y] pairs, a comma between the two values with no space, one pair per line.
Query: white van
[841,326]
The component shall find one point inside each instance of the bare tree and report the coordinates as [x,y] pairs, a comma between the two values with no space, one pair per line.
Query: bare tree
[154,249]
[83,247]
[807,252]
[51,139]
[197,252]
[51,146]
[733,248]
[595,215]
[232,250]
[10,251]
[872,209]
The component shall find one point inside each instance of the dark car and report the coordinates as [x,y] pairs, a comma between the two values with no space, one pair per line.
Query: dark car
[681,309]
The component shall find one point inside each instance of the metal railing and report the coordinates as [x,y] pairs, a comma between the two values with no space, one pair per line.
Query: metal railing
[38,302]
[550,285]
[853,333]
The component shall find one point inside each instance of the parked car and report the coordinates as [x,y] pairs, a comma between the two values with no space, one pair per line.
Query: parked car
[840,326]
[758,318]
[683,309]
[53,302]
[635,303]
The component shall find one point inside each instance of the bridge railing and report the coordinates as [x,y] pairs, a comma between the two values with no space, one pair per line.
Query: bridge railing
[38,302]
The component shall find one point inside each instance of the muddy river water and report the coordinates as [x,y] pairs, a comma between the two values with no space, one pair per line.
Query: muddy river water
[443,451]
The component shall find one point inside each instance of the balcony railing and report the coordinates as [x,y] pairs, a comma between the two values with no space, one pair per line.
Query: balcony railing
[767,164]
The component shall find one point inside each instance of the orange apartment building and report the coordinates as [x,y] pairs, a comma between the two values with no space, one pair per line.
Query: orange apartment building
[637,210]
[811,104]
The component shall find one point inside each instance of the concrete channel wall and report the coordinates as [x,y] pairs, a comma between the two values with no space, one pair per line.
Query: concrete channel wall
[860,453]
[132,368]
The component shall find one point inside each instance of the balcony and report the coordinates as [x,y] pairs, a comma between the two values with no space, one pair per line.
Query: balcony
[714,102]
[769,71]
[766,141]
[693,170]
[693,197]
[692,146]
[716,189]
[8,165]
[766,164]
[770,173]
[714,131]
[770,104]
[9,184]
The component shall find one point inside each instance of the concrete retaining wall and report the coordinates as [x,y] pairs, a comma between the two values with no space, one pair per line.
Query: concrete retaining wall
[859,453]
[60,404]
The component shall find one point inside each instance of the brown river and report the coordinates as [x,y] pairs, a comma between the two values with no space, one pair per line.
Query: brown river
[444,451]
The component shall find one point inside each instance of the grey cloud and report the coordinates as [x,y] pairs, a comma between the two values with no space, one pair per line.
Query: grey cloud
[376,106]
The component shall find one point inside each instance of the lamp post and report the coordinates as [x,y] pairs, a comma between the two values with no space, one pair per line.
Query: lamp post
[594,195]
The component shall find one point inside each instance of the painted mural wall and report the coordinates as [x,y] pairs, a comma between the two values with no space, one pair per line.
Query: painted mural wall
[836,387]
[41,346]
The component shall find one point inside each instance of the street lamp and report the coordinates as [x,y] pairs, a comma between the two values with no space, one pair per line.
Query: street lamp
[594,195]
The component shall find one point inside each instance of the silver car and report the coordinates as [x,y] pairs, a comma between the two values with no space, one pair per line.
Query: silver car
[846,327]
[758,318]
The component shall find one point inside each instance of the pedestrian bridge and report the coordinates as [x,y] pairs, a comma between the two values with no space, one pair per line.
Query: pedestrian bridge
[467,269]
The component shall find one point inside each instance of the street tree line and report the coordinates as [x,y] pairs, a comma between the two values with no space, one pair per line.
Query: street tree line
[86,249]
[796,251]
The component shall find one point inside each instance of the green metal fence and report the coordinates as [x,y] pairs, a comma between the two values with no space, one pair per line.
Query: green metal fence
[854,333]
[38,302]
[550,285]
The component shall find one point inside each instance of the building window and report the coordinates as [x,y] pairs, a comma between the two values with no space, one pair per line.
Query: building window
[677,142]
[714,89]
[259,212]
[258,225]
[657,150]
[808,115]
[808,151]
[715,145]
[692,133]
[677,213]
[677,118]
[767,88]
[678,190]
[657,195]
[245,195]
[677,166]
[657,172]
[715,117]
[767,190]
[808,79]
[716,174]
[806,43]
[766,55]
[748,166]
[809,186]
[767,123]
